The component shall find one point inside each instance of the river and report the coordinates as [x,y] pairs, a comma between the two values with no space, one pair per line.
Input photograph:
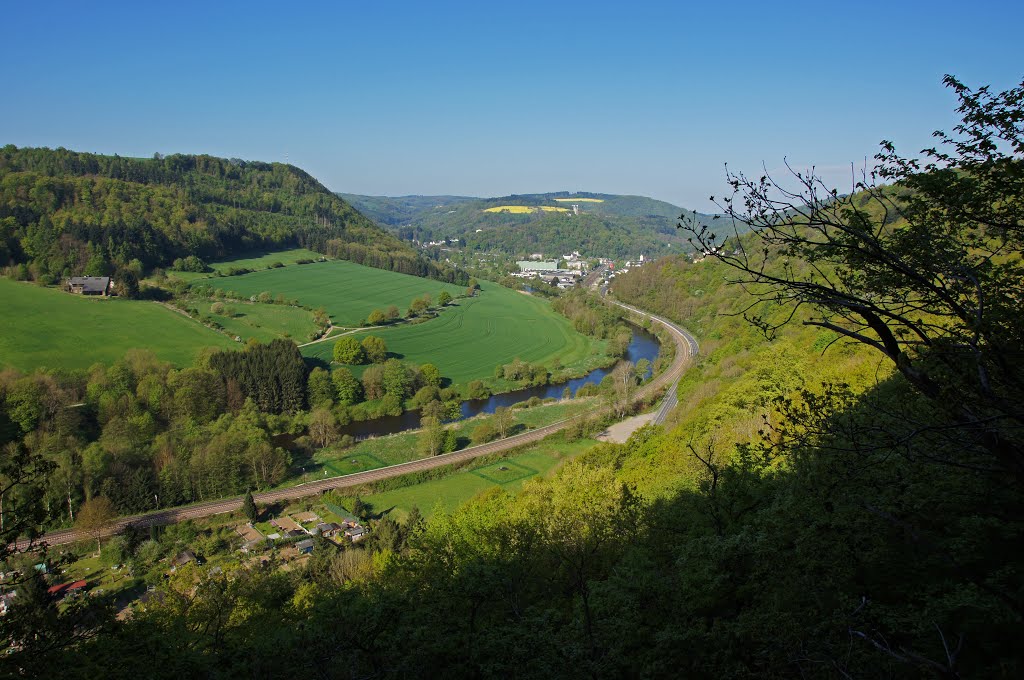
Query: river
[644,345]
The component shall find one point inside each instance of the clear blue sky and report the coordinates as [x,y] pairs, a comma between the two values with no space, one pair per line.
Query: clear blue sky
[486,99]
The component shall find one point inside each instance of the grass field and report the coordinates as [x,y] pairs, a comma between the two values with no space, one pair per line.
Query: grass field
[522,209]
[263,322]
[452,491]
[473,336]
[48,327]
[348,291]
[255,261]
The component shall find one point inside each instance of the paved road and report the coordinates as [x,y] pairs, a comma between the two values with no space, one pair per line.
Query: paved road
[686,347]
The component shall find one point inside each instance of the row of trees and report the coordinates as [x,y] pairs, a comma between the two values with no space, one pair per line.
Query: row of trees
[350,350]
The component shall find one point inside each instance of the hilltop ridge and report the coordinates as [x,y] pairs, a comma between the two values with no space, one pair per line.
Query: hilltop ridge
[612,225]
[65,212]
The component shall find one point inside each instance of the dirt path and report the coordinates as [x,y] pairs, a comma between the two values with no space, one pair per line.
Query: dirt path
[620,431]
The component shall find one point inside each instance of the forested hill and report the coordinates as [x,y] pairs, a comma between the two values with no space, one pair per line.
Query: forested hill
[65,212]
[607,224]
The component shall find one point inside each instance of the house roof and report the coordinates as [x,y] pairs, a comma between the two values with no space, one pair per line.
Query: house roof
[91,284]
[308,543]
[56,590]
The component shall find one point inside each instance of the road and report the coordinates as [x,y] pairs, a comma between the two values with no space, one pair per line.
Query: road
[686,347]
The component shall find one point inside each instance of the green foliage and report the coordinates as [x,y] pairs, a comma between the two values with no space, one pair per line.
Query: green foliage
[348,389]
[375,349]
[249,508]
[321,388]
[272,375]
[348,350]
[80,212]
[466,340]
[618,226]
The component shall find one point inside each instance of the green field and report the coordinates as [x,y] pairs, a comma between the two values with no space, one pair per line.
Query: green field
[473,336]
[263,322]
[255,261]
[48,327]
[348,291]
[452,491]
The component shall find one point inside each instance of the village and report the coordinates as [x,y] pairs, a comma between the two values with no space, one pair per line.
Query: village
[569,270]
[279,538]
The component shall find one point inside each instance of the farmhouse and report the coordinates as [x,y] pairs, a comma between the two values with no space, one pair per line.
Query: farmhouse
[90,285]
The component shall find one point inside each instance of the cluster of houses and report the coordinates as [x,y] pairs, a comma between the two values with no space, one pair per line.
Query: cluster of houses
[287,527]
[549,271]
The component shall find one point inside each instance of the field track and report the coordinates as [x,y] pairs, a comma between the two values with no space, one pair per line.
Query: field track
[686,347]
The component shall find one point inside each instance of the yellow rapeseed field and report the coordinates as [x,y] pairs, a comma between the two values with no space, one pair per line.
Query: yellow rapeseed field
[519,209]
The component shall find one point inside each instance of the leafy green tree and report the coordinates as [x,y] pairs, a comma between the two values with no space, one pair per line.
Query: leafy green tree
[434,438]
[392,313]
[375,350]
[348,389]
[360,508]
[396,379]
[503,420]
[373,382]
[431,375]
[347,350]
[323,427]
[93,518]
[249,508]
[906,268]
[320,388]
[443,298]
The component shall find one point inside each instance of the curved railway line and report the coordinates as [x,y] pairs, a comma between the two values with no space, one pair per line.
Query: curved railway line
[686,347]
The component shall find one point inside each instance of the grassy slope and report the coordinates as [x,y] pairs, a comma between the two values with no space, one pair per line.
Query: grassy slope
[47,327]
[471,337]
[349,292]
[452,491]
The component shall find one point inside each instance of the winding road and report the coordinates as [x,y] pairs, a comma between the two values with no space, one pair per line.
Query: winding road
[686,348]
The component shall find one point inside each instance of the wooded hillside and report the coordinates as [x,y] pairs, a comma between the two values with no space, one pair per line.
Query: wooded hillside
[65,213]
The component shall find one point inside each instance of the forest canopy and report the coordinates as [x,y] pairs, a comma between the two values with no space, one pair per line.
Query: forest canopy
[66,213]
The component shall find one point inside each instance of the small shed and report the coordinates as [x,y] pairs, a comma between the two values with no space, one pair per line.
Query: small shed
[305,547]
[356,533]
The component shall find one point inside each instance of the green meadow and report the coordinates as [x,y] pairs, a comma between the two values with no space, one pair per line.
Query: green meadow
[254,261]
[451,491]
[48,327]
[473,335]
[348,291]
[263,322]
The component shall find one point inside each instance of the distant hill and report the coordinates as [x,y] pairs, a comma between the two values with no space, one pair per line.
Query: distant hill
[606,224]
[64,213]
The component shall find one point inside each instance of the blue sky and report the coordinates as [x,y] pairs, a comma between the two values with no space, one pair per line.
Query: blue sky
[488,99]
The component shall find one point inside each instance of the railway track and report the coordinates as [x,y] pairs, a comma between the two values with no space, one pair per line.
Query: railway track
[686,347]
